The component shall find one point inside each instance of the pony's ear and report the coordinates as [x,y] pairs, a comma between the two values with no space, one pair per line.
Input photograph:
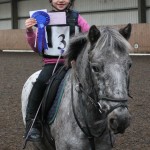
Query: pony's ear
[93,34]
[126,31]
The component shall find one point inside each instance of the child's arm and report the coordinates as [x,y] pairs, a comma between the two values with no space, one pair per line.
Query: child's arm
[32,39]
[30,34]
[83,24]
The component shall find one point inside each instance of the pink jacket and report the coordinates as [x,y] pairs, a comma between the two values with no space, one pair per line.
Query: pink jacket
[31,37]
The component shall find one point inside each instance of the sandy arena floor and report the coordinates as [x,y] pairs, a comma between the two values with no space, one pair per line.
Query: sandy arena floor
[15,68]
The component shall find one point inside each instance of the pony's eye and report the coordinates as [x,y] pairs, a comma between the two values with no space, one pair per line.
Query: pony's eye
[95,69]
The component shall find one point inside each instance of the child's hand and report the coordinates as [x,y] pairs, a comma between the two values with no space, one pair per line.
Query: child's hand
[29,23]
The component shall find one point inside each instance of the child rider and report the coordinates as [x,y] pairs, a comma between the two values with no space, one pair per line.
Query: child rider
[74,23]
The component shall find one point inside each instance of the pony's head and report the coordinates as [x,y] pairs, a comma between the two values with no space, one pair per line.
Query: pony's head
[110,63]
[103,63]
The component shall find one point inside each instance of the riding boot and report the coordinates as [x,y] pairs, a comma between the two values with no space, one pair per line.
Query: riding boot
[35,99]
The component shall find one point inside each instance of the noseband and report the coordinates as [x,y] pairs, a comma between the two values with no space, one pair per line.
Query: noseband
[95,102]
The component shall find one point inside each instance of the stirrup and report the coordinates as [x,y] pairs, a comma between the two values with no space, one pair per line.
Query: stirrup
[30,129]
[29,138]
[34,135]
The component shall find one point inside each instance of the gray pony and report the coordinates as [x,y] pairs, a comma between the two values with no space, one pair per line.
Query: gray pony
[94,107]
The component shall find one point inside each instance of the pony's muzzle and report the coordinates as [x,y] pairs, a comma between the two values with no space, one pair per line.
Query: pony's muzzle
[118,122]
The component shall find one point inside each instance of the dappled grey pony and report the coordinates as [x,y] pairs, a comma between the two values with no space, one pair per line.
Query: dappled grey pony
[93,107]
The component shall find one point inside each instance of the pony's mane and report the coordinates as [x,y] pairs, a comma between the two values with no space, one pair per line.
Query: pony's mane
[75,47]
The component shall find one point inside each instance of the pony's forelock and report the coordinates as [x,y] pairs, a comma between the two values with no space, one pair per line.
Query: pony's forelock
[112,38]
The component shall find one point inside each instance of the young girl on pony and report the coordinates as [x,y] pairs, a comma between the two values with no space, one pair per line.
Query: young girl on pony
[74,23]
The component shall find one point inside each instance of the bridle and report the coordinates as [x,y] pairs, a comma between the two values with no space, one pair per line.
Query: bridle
[95,102]
[92,100]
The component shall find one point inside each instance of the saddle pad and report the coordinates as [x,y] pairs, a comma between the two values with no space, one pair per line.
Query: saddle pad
[54,109]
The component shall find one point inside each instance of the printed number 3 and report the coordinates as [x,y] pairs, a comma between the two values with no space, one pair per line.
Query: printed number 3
[62,41]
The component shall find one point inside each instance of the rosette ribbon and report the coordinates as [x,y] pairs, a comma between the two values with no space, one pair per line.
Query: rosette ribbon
[43,20]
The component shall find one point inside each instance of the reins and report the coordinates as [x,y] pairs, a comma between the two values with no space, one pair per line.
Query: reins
[88,132]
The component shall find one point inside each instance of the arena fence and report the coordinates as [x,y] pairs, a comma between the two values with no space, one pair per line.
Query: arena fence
[16,39]
[140,38]
[13,40]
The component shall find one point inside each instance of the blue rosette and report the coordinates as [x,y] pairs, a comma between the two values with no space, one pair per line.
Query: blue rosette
[43,20]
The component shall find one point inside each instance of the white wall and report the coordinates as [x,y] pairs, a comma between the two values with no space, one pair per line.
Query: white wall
[6,24]
[148,15]
[25,6]
[148,3]
[5,12]
[84,5]
[111,17]
[148,11]
[102,17]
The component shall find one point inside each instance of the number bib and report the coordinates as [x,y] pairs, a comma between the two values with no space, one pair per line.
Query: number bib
[59,36]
